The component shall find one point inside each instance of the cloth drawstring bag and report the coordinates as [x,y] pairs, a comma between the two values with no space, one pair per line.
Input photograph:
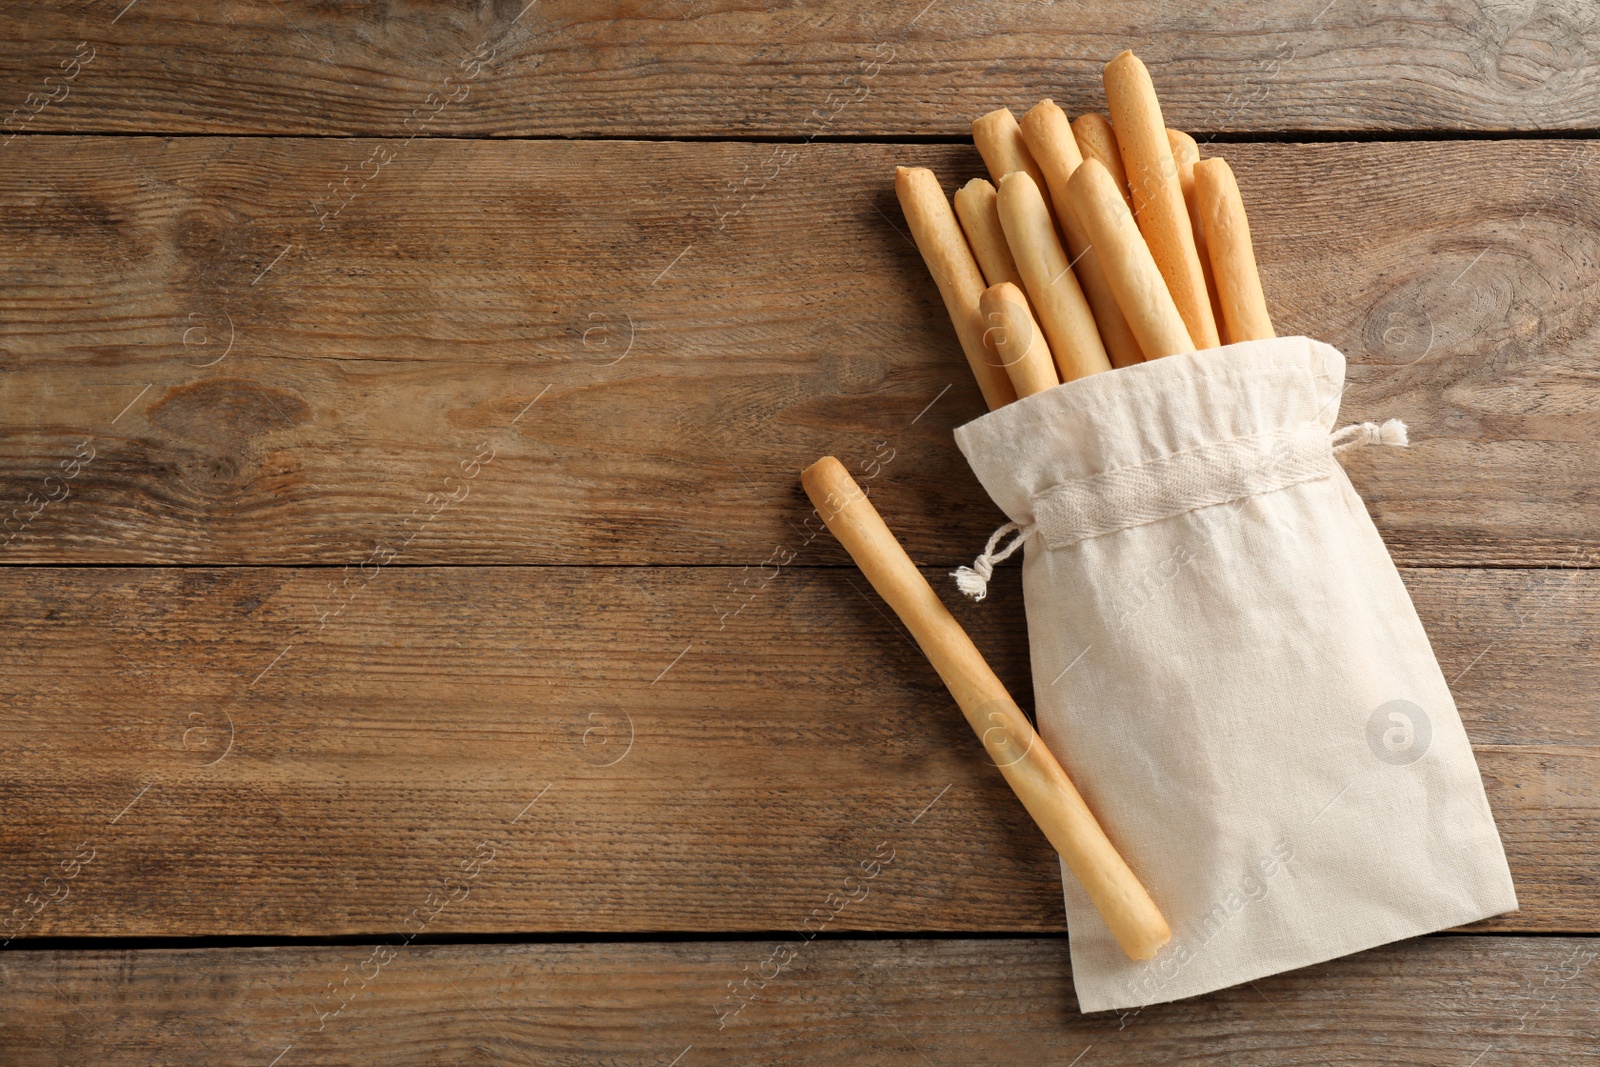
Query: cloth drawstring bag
[1227,664]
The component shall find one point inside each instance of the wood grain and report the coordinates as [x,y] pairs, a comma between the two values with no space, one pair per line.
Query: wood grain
[239,767]
[709,68]
[325,329]
[700,345]
[1434,1001]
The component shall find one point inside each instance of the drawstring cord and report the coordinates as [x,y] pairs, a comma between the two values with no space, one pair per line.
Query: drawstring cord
[974,580]
[1390,432]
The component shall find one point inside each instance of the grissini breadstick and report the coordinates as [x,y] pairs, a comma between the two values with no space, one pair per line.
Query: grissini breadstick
[1050,139]
[1053,289]
[1097,140]
[1158,204]
[1000,143]
[1028,766]
[1141,291]
[1185,153]
[944,249]
[980,221]
[1011,331]
[1233,258]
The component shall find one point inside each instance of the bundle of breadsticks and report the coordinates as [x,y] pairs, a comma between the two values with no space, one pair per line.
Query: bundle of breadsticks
[1099,243]
[1214,739]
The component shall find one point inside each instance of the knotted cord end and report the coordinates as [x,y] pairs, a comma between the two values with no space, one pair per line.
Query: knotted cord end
[1389,432]
[1393,432]
[973,581]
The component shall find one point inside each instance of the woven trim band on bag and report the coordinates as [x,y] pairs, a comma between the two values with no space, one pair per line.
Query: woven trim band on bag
[1211,474]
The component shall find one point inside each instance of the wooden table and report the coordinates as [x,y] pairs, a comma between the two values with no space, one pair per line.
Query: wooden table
[414,649]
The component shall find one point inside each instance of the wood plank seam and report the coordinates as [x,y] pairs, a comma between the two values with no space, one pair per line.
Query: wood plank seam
[1505,69]
[1402,329]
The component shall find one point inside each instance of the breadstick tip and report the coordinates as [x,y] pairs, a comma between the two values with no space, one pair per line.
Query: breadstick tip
[998,139]
[1090,166]
[1091,174]
[1040,112]
[1015,337]
[905,175]
[1185,149]
[1126,58]
[824,480]
[999,114]
[1005,314]
[1011,186]
[816,469]
[1232,253]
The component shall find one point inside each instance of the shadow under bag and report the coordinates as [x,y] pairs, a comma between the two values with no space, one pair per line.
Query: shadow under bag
[1227,664]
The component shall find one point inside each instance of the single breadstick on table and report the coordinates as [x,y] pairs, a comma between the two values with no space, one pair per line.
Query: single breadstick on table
[1185,153]
[1233,258]
[944,249]
[1011,331]
[1132,272]
[1158,204]
[1097,140]
[980,221]
[1049,137]
[1000,143]
[1028,766]
[1053,290]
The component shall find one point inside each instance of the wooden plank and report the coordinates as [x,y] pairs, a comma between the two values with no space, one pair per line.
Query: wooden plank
[235,766]
[254,388]
[826,67]
[1434,1001]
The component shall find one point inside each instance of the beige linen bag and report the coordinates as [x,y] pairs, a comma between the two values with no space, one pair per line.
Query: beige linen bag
[1227,664]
